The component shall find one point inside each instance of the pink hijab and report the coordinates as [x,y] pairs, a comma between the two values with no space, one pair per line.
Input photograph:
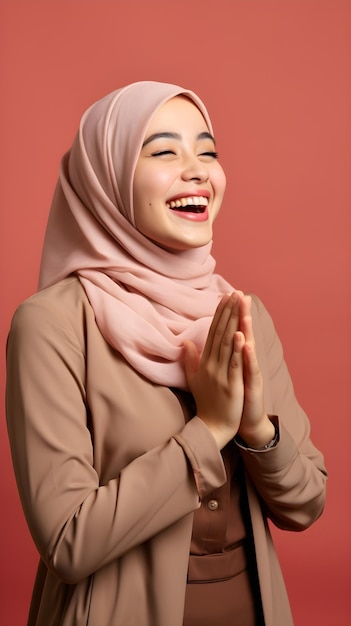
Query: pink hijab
[146,300]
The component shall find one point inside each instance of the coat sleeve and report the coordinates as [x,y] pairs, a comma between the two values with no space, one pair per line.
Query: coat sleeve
[78,524]
[290,478]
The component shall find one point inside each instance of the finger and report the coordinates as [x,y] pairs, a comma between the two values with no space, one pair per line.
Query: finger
[227,342]
[246,320]
[217,319]
[236,367]
[251,365]
[226,321]
[236,361]
[191,359]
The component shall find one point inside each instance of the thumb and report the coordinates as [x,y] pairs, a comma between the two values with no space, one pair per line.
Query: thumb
[191,359]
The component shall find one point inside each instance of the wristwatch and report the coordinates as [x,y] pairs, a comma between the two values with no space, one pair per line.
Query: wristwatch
[267,446]
[272,442]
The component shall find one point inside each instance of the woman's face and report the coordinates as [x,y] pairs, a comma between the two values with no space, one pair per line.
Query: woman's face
[178,182]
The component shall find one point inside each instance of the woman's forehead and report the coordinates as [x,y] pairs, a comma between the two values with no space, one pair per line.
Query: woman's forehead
[177,113]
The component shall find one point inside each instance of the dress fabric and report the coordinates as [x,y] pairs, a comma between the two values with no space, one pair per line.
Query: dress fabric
[111,469]
[221,589]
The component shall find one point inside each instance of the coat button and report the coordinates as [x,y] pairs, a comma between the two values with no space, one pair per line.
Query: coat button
[212,505]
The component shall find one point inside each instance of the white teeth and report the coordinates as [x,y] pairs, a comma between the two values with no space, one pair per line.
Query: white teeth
[189,200]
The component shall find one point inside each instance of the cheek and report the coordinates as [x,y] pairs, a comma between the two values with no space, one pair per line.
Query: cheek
[219,181]
[219,184]
[151,184]
[158,183]
[149,190]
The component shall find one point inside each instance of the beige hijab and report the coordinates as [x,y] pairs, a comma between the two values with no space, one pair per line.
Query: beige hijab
[146,300]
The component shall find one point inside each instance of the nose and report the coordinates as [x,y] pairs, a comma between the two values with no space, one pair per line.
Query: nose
[194,169]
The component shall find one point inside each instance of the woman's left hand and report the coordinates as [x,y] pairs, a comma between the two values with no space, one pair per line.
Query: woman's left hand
[255,429]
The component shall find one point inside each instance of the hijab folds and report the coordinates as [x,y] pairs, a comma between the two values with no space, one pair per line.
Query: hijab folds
[146,300]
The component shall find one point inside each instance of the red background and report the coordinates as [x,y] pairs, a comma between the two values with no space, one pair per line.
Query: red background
[276,76]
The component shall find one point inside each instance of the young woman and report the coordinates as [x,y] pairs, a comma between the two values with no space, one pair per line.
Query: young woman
[153,423]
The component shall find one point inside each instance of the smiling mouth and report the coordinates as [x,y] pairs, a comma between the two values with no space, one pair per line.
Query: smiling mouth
[190,204]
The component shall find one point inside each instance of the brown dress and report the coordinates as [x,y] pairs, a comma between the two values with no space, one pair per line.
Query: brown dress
[110,501]
[222,587]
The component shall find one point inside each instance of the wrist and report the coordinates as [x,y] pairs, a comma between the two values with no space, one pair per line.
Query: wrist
[221,435]
[262,438]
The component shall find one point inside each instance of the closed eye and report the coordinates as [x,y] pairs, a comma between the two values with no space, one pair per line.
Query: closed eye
[162,152]
[213,155]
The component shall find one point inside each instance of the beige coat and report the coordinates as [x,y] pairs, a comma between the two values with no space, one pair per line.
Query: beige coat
[110,471]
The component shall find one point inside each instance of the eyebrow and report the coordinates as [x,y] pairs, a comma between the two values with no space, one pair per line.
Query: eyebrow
[167,135]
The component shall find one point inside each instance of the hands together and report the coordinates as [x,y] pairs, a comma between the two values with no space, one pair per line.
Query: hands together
[226,380]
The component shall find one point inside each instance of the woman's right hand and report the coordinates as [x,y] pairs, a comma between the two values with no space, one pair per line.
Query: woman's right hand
[216,378]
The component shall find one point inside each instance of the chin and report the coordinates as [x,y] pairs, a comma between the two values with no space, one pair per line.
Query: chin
[188,245]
